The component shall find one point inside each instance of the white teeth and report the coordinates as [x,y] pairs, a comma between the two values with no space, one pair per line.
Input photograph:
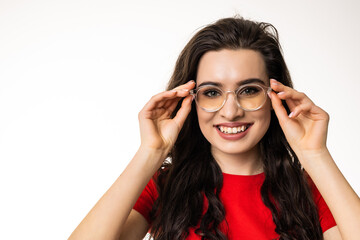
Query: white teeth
[233,130]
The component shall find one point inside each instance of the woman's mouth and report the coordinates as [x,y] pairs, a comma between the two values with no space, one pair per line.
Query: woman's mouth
[233,130]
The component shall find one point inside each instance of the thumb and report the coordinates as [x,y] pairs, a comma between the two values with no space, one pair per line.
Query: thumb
[279,108]
[183,112]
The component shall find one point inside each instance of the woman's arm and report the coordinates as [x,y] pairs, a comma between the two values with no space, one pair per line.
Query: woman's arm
[158,134]
[135,228]
[332,234]
[341,199]
[306,131]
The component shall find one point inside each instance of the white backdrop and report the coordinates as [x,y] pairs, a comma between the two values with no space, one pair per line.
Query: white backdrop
[74,75]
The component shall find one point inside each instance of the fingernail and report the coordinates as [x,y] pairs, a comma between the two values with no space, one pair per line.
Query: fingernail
[184,89]
[281,93]
[269,94]
[275,82]
[173,90]
[291,115]
[191,81]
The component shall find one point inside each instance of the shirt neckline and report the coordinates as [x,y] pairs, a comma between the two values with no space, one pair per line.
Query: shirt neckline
[236,175]
[244,179]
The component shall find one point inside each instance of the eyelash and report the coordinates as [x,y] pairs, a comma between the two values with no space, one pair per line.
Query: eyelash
[206,93]
[246,91]
[252,89]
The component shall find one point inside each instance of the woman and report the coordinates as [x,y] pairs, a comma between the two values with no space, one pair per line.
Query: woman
[237,153]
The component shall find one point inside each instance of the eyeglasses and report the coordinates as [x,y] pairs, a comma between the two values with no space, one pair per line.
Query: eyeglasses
[249,97]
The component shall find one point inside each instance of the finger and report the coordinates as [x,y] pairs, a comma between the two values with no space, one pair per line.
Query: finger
[294,95]
[170,106]
[291,104]
[180,94]
[278,107]
[189,85]
[300,109]
[171,102]
[183,111]
[277,86]
[155,100]
[158,100]
[168,102]
[285,92]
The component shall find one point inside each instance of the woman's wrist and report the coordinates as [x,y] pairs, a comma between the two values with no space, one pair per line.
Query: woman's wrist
[152,157]
[314,157]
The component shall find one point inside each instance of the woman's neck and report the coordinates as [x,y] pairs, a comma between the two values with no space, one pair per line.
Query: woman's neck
[248,163]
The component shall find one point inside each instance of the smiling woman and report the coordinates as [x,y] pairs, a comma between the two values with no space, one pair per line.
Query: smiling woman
[247,160]
[235,152]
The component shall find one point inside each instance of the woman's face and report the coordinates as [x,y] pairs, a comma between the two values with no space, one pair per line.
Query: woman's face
[229,69]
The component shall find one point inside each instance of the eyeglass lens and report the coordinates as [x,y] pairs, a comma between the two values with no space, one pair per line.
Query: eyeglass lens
[249,97]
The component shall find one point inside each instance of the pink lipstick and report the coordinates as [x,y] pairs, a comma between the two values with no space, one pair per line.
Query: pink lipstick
[233,131]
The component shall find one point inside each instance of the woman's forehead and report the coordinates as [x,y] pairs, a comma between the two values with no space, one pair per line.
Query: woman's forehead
[229,67]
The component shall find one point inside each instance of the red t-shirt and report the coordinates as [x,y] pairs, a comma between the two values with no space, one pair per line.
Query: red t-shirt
[246,214]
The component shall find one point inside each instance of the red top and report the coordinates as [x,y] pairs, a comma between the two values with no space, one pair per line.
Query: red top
[246,214]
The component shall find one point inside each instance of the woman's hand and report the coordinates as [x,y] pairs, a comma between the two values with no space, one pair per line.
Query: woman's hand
[157,129]
[306,126]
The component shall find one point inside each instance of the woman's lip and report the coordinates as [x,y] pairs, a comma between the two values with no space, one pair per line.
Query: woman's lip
[233,136]
[233,124]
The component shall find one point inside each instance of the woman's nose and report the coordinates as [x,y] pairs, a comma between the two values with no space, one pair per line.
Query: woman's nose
[231,110]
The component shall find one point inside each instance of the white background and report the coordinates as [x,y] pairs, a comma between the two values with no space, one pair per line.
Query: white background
[74,75]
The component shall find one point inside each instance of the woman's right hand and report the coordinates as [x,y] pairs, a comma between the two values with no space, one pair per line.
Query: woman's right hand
[157,129]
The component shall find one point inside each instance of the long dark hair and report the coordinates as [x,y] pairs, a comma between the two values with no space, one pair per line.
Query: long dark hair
[193,175]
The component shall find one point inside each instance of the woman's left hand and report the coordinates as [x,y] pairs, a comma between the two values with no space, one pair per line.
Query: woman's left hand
[305,128]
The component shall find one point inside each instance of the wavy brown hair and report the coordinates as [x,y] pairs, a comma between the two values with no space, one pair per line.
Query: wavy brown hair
[193,175]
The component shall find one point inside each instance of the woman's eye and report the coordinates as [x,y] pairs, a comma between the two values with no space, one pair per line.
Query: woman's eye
[249,91]
[211,93]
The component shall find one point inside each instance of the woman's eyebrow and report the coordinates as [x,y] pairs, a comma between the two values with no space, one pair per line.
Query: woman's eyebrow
[217,84]
[242,82]
[250,80]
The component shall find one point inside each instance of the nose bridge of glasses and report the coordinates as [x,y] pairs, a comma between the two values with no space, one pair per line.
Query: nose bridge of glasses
[226,96]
